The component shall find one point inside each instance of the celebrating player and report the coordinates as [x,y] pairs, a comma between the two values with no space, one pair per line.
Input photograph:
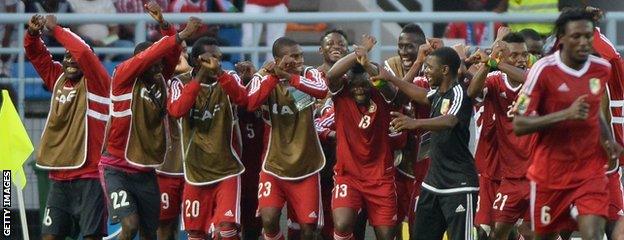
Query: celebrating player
[292,156]
[75,124]
[564,91]
[497,91]
[137,135]
[364,169]
[206,100]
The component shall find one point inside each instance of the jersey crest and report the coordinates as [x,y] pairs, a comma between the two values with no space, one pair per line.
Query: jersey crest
[594,85]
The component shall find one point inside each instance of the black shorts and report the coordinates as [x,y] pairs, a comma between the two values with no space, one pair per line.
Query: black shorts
[75,208]
[133,193]
[437,213]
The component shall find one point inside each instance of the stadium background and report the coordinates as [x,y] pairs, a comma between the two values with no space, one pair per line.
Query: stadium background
[34,102]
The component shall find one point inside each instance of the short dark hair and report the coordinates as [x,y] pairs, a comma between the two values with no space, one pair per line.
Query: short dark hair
[573,14]
[142,46]
[530,34]
[280,43]
[414,28]
[198,48]
[513,38]
[336,31]
[448,56]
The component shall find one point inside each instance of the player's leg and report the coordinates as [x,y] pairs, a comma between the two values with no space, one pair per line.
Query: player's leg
[359,229]
[483,217]
[170,202]
[270,203]
[524,229]
[122,204]
[459,210]
[380,199]
[346,201]
[591,199]
[591,226]
[430,222]
[510,205]
[618,231]
[304,196]
[227,210]
[57,221]
[196,210]
[145,189]
[90,208]
[404,185]
[616,200]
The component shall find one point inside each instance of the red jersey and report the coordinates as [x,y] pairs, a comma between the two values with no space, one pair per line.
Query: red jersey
[97,92]
[363,148]
[615,85]
[511,152]
[126,73]
[325,124]
[568,152]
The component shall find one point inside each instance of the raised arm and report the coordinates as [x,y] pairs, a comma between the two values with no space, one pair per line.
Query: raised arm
[98,78]
[335,80]
[130,69]
[415,93]
[312,83]
[36,51]
[259,89]
[182,97]
[172,58]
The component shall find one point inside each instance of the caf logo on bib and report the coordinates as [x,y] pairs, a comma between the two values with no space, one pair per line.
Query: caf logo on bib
[594,85]
[445,106]
[522,103]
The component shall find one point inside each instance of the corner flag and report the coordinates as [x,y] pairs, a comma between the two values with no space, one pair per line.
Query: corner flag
[15,146]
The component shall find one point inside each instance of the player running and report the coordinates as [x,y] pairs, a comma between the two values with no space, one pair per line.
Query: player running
[564,91]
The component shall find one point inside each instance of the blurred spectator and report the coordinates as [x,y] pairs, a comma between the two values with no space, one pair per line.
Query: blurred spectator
[137,6]
[531,6]
[533,41]
[47,6]
[473,33]
[191,6]
[97,34]
[273,30]
[8,38]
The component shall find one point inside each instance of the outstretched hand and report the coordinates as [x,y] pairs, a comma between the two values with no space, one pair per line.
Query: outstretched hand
[402,122]
[368,42]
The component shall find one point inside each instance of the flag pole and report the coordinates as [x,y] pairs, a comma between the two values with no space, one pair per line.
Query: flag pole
[22,209]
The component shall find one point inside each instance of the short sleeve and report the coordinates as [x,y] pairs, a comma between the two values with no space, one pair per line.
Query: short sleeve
[530,96]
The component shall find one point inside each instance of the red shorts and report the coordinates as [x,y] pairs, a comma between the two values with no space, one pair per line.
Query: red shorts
[554,210]
[487,195]
[215,203]
[302,195]
[616,201]
[379,198]
[405,186]
[170,196]
[512,201]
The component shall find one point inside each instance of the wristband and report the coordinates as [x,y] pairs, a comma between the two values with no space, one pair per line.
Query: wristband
[493,63]
[380,83]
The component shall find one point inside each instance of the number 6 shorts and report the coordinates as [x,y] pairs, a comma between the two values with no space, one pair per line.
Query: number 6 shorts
[133,193]
[554,210]
[72,203]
